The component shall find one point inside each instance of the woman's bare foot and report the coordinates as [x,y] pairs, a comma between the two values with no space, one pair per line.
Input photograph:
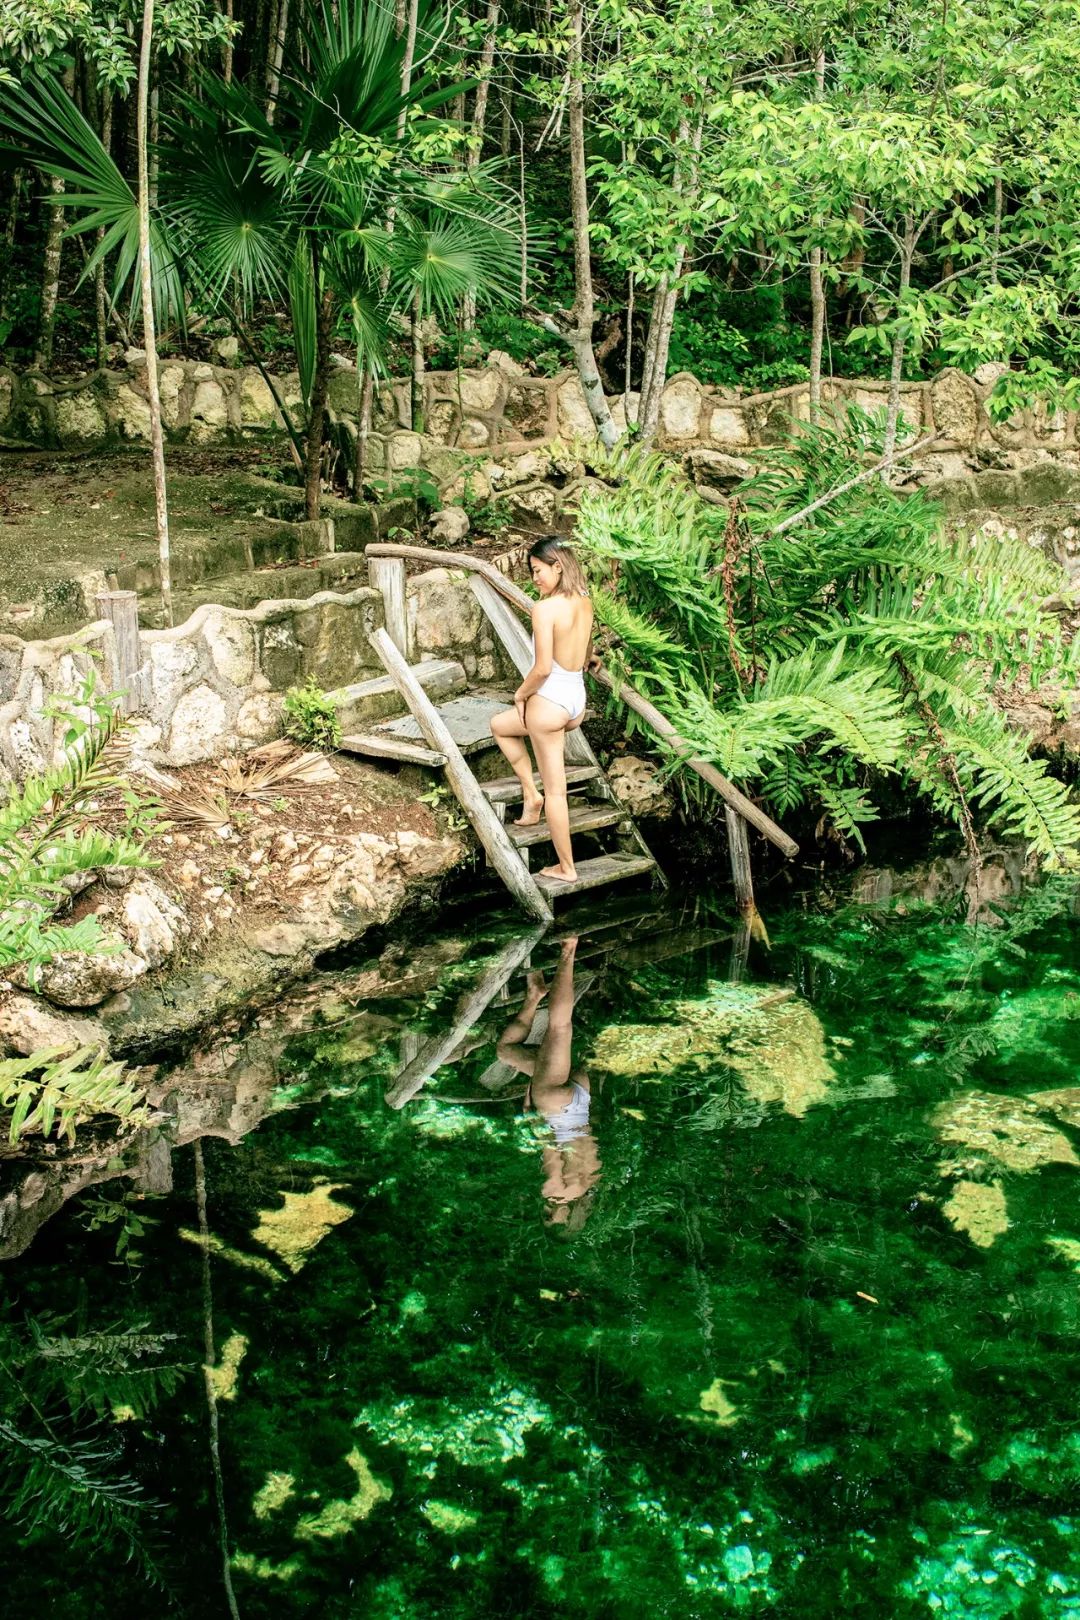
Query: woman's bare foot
[531,812]
[565,874]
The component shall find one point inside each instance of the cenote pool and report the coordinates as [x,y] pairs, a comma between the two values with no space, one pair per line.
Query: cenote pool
[668,1281]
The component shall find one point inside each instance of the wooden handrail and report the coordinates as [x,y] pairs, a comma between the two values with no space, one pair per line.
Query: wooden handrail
[625,694]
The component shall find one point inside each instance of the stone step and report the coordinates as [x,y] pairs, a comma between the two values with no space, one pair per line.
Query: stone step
[341,571]
[583,818]
[367,703]
[593,874]
[507,789]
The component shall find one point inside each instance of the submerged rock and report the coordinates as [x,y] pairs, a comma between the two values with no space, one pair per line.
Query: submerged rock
[978,1208]
[1006,1130]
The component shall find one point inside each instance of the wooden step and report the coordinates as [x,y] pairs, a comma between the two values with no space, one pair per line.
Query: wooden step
[377,745]
[593,874]
[583,818]
[468,720]
[507,789]
[365,704]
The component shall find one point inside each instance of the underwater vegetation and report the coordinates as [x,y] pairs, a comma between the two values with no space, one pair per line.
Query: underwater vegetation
[808,1347]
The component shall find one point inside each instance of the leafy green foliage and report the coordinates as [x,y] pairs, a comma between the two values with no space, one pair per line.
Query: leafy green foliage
[55,1088]
[858,645]
[311,716]
[486,515]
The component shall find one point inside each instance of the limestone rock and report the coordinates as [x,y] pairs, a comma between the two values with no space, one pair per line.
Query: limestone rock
[80,419]
[955,408]
[527,410]
[199,724]
[728,426]
[444,611]
[153,923]
[680,408]
[716,470]
[257,408]
[499,360]
[480,390]
[170,387]
[474,434]
[227,350]
[988,373]
[209,405]
[450,525]
[259,717]
[84,979]
[537,502]
[133,413]
[575,417]
[232,646]
[171,662]
[639,786]
[406,450]
[28,1024]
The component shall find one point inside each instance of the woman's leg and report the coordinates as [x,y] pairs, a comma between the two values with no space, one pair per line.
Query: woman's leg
[547,723]
[509,733]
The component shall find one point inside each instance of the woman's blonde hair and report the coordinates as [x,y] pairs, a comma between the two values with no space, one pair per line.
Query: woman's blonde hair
[552,548]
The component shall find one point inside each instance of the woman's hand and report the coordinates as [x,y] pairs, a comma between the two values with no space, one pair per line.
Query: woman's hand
[520,699]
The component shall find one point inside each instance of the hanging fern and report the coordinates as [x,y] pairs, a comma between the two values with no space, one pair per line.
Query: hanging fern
[872,638]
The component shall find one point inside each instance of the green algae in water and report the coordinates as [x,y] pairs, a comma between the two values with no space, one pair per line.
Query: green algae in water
[810,1351]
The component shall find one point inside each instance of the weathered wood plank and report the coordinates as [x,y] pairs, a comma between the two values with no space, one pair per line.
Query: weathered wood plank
[380,746]
[593,874]
[583,818]
[489,829]
[507,789]
[121,608]
[387,574]
[436,675]
[434,1052]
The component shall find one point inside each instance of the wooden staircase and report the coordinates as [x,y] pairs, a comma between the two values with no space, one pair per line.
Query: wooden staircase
[448,728]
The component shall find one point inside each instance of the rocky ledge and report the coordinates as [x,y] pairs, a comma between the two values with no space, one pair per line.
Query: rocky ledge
[228,910]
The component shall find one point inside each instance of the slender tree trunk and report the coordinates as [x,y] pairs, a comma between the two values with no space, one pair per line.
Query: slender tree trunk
[101,300]
[10,226]
[629,356]
[50,276]
[319,389]
[580,338]
[506,110]
[892,419]
[817,280]
[277,52]
[365,387]
[665,302]
[995,250]
[227,47]
[155,138]
[417,365]
[476,137]
[146,281]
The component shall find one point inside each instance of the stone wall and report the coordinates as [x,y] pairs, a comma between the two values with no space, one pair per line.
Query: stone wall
[214,685]
[485,420]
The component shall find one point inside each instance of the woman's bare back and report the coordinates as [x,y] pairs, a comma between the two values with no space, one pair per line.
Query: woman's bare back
[571,619]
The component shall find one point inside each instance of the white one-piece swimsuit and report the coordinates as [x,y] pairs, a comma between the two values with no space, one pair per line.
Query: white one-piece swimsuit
[566,687]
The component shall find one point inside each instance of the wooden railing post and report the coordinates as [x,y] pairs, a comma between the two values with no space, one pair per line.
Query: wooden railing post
[121,608]
[387,574]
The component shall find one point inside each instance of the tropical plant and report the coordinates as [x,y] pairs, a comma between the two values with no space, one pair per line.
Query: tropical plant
[812,653]
[311,715]
[49,834]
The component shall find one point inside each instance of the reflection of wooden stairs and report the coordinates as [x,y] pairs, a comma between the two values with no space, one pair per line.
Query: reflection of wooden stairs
[448,728]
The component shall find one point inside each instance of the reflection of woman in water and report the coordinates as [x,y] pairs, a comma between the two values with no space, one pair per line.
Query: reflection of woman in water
[557,1092]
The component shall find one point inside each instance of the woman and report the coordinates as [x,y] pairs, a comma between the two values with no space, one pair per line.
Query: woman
[551,699]
[558,1092]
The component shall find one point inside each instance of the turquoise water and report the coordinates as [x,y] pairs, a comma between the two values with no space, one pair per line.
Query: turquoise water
[785,1323]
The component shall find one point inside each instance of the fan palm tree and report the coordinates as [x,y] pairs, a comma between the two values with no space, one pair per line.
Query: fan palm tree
[296,207]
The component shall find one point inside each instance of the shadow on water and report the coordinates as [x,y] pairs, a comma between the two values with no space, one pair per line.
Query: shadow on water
[630,1268]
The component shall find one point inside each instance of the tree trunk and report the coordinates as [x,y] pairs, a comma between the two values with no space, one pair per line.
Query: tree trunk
[995,250]
[817,280]
[319,389]
[628,359]
[277,52]
[157,437]
[365,392]
[227,48]
[580,338]
[407,60]
[417,365]
[50,276]
[907,254]
[817,330]
[476,139]
[664,305]
[10,226]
